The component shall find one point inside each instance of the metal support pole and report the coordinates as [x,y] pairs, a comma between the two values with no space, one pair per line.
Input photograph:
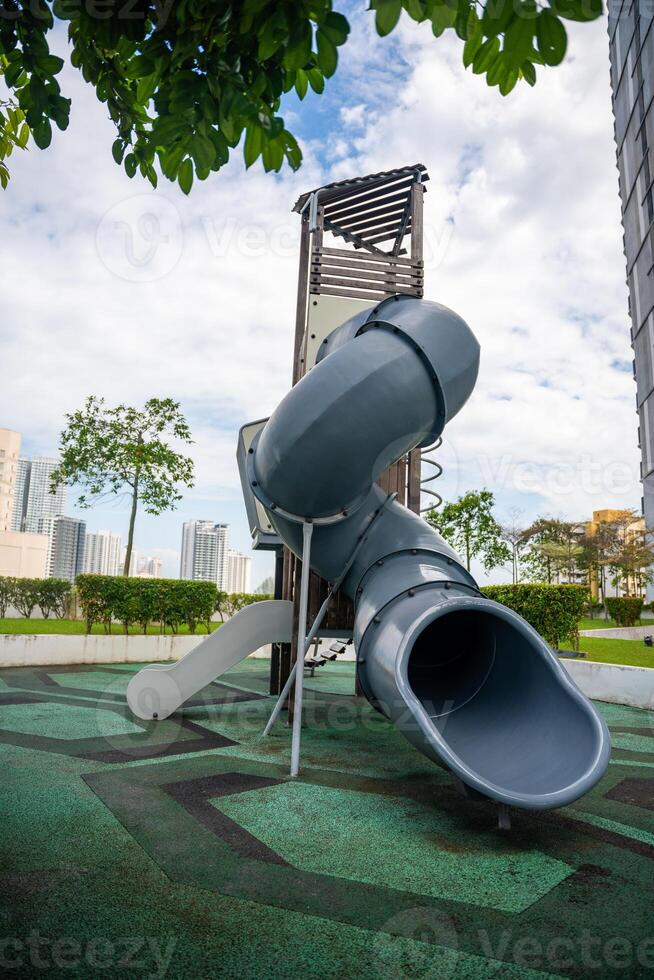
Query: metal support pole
[307,531]
[318,621]
[291,677]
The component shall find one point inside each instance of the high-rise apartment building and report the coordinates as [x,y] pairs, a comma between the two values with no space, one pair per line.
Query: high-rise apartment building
[238,572]
[204,552]
[67,546]
[103,553]
[9,454]
[631,37]
[33,501]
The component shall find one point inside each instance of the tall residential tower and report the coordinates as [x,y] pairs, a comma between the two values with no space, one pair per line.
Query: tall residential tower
[631,38]
[204,552]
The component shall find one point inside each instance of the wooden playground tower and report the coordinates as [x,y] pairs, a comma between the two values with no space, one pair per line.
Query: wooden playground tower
[379,220]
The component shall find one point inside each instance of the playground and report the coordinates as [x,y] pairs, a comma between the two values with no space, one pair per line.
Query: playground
[185,846]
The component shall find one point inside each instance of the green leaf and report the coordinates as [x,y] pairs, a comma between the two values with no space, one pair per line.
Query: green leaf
[416,9]
[49,64]
[139,67]
[551,37]
[203,152]
[316,80]
[185,176]
[474,42]
[327,56]
[253,143]
[23,136]
[486,55]
[580,10]
[509,81]
[336,27]
[387,14]
[442,17]
[519,35]
[301,83]
[497,70]
[13,73]
[130,165]
[42,134]
[272,156]
[298,52]
[292,151]
[220,146]
[146,87]
[528,72]
[496,17]
[465,19]
[117,151]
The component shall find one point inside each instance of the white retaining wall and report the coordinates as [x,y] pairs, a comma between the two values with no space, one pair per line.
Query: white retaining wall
[613,682]
[632,686]
[47,650]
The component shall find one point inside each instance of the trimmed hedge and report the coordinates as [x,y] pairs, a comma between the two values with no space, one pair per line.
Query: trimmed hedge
[625,610]
[141,601]
[553,610]
[51,595]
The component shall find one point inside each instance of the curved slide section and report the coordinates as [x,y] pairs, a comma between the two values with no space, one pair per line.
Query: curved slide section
[466,680]
[159,690]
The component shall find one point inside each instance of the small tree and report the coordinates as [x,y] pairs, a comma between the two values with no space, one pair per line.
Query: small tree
[54,597]
[469,526]
[514,536]
[7,592]
[115,451]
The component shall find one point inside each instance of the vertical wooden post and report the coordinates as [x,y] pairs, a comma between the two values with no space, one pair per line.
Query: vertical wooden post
[414,465]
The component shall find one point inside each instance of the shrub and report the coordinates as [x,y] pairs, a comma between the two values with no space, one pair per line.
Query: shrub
[7,589]
[553,610]
[170,602]
[625,610]
[26,595]
[54,596]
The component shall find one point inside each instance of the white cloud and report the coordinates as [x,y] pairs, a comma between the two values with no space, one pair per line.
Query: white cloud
[522,238]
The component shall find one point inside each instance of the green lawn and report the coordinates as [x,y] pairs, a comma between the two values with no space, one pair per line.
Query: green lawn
[633,653]
[69,627]
[606,624]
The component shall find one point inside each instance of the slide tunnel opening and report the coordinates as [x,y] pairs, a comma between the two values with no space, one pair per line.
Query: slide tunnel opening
[495,700]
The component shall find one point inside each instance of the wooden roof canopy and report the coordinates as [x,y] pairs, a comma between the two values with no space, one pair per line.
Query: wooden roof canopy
[368,211]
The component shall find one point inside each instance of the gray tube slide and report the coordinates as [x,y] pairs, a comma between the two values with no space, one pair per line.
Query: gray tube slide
[466,680]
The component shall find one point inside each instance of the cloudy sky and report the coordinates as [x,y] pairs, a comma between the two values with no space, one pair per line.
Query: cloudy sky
[114,289]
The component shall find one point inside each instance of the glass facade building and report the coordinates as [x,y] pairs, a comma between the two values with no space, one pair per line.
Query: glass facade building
[631,37]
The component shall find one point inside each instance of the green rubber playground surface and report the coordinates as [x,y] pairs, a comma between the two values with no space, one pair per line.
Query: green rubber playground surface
[182,848]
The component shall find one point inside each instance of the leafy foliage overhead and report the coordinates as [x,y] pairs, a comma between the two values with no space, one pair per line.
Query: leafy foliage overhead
[184,81]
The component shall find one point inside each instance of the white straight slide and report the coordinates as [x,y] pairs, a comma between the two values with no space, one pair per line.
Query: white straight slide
[160,689]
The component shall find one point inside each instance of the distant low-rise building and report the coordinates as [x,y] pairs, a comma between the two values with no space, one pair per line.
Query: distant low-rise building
[149,567]
[24,555]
